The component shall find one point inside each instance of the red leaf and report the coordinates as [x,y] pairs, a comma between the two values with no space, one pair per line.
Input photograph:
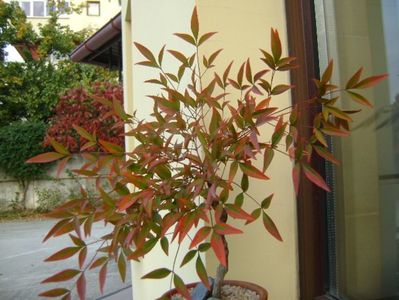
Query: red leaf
[54,293]
[370,81]
[62,276]
[271,227]
[98,262]
[101,277]
[45,157]
[224,229]
[218,248]
[201,235]
[314,177]
[252,171]
[81,287]
[82,257]
[63,254]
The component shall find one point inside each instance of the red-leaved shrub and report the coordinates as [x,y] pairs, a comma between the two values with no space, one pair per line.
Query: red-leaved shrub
[90,110]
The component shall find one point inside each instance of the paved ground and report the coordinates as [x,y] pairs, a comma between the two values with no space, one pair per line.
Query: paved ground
[22,267]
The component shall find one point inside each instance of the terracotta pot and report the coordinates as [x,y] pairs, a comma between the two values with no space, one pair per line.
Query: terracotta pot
[247,285]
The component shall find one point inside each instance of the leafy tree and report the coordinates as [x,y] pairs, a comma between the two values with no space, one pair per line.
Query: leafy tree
[13,26]
[18,142]
[31,90]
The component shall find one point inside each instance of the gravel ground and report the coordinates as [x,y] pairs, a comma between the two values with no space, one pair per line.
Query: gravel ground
[231,292]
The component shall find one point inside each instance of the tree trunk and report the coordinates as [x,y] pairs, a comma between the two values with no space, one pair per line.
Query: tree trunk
[25,185]
[221,270]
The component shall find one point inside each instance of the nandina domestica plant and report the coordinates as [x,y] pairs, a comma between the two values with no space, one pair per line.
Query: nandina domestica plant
[201,143]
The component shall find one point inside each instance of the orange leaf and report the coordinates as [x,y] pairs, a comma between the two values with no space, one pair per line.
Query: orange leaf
[218,248]
[188,38]
[326,77]
[201,235]
[146,53]
[54,293]
[354,79]
[194,23]
[276,45]
[205,37]
[62,276]
[370,81]
[45,157]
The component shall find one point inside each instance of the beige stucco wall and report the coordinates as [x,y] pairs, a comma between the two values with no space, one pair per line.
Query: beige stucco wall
[243,27]
[108,9]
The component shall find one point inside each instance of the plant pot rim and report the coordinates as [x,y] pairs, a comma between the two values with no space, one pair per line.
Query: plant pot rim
[244,284]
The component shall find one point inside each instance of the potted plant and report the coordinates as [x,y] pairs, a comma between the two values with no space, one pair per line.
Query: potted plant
[202,142]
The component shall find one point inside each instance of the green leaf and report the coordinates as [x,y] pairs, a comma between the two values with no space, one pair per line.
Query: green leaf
[244,182]
[181,287]
[268,158]
[360,99]
[58,147]
[188,257]
[266,203]
[239,199]
[157,274]
[122,267]
[271,227]
[201,271]
[165,245]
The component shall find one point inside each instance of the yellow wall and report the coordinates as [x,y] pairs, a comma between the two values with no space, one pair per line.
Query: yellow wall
[243,27]
[108,9]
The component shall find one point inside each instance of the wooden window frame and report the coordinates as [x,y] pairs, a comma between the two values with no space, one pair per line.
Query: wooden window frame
[311,207]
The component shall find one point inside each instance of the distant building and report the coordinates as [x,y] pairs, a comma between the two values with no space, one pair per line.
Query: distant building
[93,14]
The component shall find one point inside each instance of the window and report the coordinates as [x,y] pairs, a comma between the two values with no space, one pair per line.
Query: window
[349,239]
[93,8]
[40,8]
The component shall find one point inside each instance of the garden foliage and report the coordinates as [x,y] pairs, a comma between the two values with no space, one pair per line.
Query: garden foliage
[83,107]
[18,142]
[203,141]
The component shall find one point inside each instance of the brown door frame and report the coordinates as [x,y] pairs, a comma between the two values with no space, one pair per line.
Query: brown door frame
[311,212]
